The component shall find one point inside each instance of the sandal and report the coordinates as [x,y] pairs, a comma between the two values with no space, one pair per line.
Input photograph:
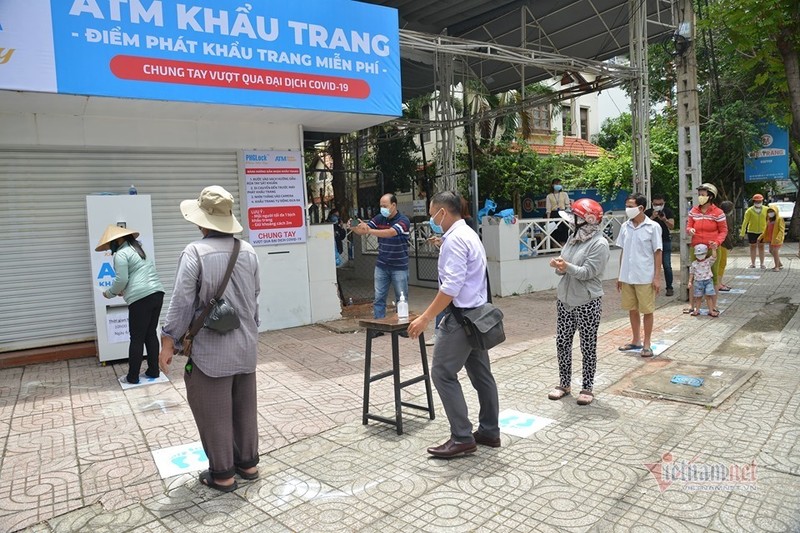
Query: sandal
[208,480]
[752,266]
[776,269]
[763,267]
[630,347]
[724,288]
[250,476]
[714,313]
[695,313]
[585,397]
[558,393]
[647,352]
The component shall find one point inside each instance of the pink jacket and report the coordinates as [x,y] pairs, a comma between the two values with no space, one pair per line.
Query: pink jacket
[709,226]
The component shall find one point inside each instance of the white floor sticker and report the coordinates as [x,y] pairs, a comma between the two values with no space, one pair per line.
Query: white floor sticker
[747,277]
[182,459]
[521,424]
[143,380]
[737,291]
[658,347]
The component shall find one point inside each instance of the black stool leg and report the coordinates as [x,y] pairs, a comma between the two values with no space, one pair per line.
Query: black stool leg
[398,412]
[367,370]
[427,375]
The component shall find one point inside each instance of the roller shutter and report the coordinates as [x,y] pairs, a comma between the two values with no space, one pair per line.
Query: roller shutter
[45,287]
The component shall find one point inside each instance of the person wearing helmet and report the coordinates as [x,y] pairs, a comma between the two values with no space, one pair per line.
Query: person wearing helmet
[580,292]
[707,224]
[639,272]
[754,224]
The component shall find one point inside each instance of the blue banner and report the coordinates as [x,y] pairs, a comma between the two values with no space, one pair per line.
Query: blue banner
[323,55]
[771,160]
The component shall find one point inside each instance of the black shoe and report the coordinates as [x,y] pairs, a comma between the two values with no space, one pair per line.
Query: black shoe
[377,334]
[486,441]
[403,334]
[670,292]
[152,377]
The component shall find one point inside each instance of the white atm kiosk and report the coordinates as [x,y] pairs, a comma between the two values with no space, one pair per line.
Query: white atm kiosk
[111,316]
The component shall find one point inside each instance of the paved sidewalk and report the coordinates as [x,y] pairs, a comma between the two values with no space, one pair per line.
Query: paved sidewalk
[77,449]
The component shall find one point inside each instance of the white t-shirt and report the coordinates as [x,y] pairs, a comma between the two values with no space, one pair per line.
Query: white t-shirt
[639,245]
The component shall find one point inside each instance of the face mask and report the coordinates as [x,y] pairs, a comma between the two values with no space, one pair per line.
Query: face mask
[385,211]
[700,257]
[557,188]
[758,205]
[771,215]
[658,208]
[436,228]
[631,212]
[334,219]
[702,200]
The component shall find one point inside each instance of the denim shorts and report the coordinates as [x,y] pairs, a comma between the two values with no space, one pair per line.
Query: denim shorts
[704,287]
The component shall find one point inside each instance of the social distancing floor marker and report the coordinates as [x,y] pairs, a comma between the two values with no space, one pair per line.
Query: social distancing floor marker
[658,347]
[144,380]
[737,291]
[521,424]
[748,276]
[182,459]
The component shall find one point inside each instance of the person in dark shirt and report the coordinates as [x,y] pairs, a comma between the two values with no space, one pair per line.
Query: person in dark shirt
[662,215]
[391,269]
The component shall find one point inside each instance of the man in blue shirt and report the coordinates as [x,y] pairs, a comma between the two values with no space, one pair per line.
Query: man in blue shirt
[392,230]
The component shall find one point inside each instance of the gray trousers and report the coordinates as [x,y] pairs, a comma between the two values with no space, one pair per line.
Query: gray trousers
[451,353]
[225,412]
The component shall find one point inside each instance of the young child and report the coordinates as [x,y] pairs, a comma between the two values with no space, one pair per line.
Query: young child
[701,279]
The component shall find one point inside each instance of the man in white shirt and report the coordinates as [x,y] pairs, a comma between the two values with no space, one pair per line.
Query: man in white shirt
[639,271]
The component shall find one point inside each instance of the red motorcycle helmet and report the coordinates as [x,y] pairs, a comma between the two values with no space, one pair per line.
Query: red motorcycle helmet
[588,209]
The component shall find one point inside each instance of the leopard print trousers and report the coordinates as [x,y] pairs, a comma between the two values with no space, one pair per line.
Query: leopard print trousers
[586,319]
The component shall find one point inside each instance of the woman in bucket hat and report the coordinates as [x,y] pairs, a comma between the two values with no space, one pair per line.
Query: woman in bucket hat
[137,282]
[220,374]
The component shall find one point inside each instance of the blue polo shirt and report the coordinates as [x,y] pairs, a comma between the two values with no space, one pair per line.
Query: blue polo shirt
[392,251]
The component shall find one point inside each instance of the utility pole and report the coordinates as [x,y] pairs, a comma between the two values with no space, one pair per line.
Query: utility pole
[689,170]
[640,98]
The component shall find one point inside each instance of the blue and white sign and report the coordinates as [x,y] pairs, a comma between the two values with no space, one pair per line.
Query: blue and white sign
[771,160]
[325,55]
[521,424]
[182,459]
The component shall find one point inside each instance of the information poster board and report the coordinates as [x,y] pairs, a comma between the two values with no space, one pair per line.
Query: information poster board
[276,197]
[771,160]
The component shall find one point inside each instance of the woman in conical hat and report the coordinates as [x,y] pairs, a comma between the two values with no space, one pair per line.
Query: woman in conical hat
[137,282]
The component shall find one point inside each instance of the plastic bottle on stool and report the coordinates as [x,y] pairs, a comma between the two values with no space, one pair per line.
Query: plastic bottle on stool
[402,307]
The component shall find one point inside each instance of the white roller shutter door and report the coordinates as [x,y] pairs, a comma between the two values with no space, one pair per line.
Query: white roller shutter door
[45,279]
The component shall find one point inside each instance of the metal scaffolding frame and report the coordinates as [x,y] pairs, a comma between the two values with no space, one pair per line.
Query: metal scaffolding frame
[448,51]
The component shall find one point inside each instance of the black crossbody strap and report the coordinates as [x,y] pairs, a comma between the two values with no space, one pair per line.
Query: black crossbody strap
[198,322]
[457,312]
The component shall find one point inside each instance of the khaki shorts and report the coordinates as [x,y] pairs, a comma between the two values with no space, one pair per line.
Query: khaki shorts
[639,297]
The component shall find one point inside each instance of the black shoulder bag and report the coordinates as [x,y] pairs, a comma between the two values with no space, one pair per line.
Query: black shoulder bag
[484,324]
[218,315]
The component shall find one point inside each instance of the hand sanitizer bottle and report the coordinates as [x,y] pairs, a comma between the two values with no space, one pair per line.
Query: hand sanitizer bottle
[402,307]
[132,190]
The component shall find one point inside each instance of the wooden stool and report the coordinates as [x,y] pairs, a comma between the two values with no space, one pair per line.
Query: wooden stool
[394,326]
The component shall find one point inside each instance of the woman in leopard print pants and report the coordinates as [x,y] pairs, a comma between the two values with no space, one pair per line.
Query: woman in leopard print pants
[580,292]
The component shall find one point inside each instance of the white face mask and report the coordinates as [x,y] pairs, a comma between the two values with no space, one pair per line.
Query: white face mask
[631,212]
[700,257]
[757,205]
[658,208]
[771,215]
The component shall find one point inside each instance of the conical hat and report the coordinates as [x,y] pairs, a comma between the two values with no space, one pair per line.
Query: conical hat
[111,234]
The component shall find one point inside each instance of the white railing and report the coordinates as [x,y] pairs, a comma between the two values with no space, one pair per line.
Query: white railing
[536,234]
[418,237]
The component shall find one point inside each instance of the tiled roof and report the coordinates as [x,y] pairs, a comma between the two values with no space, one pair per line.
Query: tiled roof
[572,146]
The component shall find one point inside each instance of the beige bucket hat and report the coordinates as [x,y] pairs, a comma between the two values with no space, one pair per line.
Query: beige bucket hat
[111,234]
[212,210]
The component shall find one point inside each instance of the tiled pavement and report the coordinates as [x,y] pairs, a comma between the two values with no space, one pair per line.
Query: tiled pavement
[76,449]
